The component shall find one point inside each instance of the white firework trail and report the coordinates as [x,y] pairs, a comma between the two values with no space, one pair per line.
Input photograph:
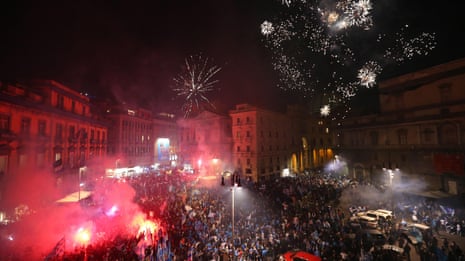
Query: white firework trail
[195,81]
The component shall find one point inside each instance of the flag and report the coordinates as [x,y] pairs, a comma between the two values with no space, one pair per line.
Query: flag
[58,251]
[190,254]
[58,165]
[168,248]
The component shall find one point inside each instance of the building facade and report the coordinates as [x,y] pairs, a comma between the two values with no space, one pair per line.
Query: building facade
[45,125]
[205,142]
[419,134]
[166,132]
[130,137]
[268,144]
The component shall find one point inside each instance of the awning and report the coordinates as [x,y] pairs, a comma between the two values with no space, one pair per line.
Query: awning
[75,196]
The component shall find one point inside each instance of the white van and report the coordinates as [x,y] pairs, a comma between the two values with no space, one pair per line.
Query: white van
[388,212]
[415,232]
[378,215]
[365,221]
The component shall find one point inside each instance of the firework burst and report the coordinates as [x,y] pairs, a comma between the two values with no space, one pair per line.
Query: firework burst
[325,110]
[405,48]
[344,14]
[325,51]
[195,82]
[266,28]
[368,73]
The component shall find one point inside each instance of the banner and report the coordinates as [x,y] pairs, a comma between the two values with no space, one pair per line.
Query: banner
[449,163]
[163,149]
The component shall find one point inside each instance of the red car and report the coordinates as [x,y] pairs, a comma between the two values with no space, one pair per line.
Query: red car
[298,255]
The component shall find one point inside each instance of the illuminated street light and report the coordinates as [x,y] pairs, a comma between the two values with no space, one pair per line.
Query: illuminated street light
[235,184]
[215,165]
[390,173]
[233,189]
[81,171]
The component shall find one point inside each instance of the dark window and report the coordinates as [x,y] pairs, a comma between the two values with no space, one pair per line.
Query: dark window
[60,102]
[428,135]
[445,92]
[4,122]
[59,131]
[72,132]
[42,127]
[402,136]
[25,125]
[448,134]
[374,137]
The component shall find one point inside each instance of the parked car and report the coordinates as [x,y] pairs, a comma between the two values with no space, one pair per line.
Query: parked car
[390,213]
[395,252]
[415,232]
[365,221]
[378,215]
[374,236]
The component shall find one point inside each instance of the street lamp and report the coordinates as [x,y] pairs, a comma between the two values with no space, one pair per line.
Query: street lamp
[81,171]
[233,189]
[215,164]
[235,184]
[232,210]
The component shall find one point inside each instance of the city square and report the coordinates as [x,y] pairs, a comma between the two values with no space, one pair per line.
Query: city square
[237,130]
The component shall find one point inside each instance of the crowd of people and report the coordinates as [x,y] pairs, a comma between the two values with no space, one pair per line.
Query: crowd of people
[306,212]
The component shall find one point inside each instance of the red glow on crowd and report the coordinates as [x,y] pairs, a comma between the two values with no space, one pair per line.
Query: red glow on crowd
[144,225]
[83,236]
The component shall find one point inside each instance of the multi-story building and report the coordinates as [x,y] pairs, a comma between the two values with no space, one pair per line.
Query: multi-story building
[130,136]
[45,125]
[205,141]
[418,134]
[312,142]
[268,144]
[166,133]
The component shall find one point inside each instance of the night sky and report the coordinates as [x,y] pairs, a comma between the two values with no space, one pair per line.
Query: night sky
[134,49]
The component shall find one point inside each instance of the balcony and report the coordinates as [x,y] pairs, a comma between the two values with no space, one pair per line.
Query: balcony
[58,140]
[7,135]
[42,138]
[72,140]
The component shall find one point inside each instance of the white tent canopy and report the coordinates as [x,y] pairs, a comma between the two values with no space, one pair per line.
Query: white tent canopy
[75,196]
